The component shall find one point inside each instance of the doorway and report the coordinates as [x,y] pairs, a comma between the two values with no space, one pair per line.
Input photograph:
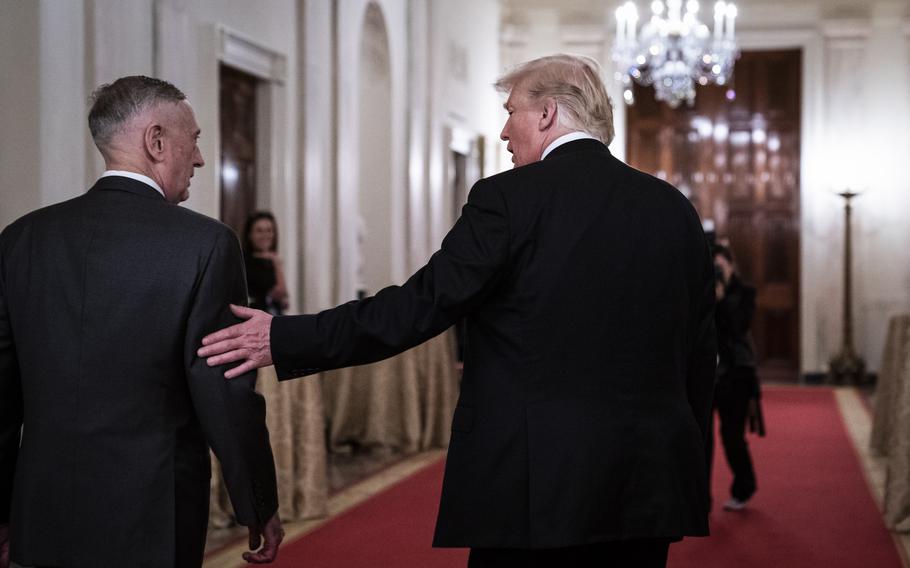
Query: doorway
[736,155]
[237,92]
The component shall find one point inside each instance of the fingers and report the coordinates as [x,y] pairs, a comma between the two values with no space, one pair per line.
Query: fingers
[240,369]
[228,352]
[255,538]
[221,335]
[242,312]
[268,553]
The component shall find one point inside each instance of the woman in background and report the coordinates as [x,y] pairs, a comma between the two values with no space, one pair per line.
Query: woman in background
[736,392]
[264,269]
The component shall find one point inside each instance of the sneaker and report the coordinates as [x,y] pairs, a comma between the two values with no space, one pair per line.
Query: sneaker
[734,504]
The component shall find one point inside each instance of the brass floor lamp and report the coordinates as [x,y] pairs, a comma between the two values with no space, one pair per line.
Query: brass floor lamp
[847,367]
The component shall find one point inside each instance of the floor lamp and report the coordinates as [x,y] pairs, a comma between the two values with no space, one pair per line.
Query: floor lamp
[847,367]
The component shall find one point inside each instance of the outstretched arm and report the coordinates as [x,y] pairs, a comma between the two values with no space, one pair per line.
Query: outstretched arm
[456,279]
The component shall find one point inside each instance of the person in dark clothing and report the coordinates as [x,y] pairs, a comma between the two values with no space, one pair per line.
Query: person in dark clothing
[737,393]
[264,269]
[579,434]
[106,416]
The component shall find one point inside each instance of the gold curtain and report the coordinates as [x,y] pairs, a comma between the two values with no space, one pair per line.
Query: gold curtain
[294,416]
[890,435]
[403,403]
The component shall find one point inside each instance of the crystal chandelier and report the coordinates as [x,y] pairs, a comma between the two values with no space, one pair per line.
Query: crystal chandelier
[673,51]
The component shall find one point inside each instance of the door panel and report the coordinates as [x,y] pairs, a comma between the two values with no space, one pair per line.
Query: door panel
[238,146]
[738,162]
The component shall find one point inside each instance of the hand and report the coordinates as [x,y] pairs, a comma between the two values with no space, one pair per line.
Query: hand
[247,342]
[4,546]
[719,290]
[273,534]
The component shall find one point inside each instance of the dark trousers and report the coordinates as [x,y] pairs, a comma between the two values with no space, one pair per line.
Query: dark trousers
[644,553]
[731,399]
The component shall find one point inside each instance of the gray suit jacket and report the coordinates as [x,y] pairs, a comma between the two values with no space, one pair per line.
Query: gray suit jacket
[104,300]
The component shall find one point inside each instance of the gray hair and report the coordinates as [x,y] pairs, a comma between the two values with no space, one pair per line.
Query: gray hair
[575,82]
[114,104]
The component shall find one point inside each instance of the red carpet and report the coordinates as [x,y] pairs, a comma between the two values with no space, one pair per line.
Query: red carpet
[812,509]
[813,506]
[391,530]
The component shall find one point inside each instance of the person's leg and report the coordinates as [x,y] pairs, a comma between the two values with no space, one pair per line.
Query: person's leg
[733,410]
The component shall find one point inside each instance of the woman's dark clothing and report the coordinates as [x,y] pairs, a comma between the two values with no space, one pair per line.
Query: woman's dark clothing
[260,279]
[737,382]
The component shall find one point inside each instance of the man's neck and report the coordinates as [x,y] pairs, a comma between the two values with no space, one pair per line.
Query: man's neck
[564,136]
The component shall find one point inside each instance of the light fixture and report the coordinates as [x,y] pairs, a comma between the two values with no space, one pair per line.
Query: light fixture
[674,51]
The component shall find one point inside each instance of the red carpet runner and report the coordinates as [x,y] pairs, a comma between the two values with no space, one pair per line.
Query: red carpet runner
[813,506]
[812,509]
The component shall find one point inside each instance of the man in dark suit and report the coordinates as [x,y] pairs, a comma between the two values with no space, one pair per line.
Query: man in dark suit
[588,291]
[103,300]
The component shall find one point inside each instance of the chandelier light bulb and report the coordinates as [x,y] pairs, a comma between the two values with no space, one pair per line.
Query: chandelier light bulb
[674,51]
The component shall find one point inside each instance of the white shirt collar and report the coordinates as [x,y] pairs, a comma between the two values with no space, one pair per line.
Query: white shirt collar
[570,137]
[138,177]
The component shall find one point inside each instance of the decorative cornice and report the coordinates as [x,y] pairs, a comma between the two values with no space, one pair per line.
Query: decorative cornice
[237,50]
[852,28]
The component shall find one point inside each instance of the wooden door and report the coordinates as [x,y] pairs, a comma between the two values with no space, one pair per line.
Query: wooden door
[238,146]
[736,155]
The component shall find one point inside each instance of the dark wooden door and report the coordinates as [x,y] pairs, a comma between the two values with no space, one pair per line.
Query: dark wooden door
[736,155]
[238,146]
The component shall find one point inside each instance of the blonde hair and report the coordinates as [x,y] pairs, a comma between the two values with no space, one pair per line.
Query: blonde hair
[574,82]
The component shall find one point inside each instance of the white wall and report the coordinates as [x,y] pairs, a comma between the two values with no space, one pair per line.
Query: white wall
[20,117]
[465,63]
[375,193]
[317,154]
[349,32]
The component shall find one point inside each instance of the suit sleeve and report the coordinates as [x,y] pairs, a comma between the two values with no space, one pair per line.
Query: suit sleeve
[231,412]
[10,401]
[702,364]
[456,279]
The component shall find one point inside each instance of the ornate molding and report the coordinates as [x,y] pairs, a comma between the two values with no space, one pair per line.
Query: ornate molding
[239,51]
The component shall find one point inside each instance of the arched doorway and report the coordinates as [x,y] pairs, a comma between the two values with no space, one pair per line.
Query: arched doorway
[374,200]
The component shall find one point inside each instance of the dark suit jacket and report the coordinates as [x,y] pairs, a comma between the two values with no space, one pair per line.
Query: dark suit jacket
[104,300]
[588,289]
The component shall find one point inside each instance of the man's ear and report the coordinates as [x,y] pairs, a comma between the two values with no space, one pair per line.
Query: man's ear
[154,141]
[547,115]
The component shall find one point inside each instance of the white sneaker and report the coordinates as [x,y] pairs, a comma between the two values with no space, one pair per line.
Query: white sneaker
[734,504]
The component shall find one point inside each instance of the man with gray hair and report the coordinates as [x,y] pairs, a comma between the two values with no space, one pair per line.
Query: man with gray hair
[103,300]
[588,292]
